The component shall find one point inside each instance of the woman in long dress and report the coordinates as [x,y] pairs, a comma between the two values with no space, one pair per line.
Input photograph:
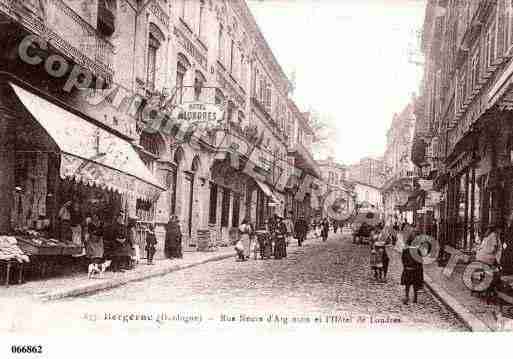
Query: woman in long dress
[173,244]
[242,245]
[413,272]
[280,249]
[94,244]
[245,232]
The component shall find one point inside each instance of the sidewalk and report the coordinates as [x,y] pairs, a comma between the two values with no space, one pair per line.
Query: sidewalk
[452,292]
[78,284]
[474,312]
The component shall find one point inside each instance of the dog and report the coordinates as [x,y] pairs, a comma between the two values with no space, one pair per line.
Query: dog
[95,269]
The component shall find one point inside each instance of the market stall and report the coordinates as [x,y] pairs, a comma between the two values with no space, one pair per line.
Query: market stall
[64,173]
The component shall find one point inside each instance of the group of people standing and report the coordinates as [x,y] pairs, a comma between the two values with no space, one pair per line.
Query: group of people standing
[272,240]
[100,240]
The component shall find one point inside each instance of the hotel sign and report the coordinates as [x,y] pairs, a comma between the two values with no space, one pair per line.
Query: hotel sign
[209,115]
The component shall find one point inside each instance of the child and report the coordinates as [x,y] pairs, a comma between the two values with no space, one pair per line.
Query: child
[376,262]
[151,242]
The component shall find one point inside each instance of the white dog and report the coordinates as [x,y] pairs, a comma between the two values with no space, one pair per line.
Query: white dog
[95,269]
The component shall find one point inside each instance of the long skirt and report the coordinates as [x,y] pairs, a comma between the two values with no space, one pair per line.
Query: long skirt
[280,248]
[65,231]
[245,244]
[413,276]
[94,246]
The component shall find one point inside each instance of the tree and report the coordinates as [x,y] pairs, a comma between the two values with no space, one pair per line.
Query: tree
[323,126]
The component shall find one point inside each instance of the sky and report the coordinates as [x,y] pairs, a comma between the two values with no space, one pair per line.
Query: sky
[351,60]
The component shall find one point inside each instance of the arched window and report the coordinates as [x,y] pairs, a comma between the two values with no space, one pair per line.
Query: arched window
[156,38]
[219,97]
[240,117]
[230,108]
[195,166]
[181,69]
[199,83]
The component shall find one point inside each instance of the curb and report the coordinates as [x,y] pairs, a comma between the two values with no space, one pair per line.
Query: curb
[89,288]
[472,322]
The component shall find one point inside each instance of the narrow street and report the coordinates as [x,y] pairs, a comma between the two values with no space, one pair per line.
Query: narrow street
[325,278]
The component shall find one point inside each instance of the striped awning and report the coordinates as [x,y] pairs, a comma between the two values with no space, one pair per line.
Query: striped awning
[90,154]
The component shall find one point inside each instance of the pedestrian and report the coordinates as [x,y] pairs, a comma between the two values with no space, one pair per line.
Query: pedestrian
[386,261]
[173,243]
[280,247]
[335,226]
[242,244]
[375,263]
[507,254]
[264,241]
[413,273]
[325,227]
[300,229]
[116,243]
[151,243]
[290,228]
[94,243]
[65,222]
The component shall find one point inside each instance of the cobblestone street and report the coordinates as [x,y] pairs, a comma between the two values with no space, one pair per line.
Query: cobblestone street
[331,278]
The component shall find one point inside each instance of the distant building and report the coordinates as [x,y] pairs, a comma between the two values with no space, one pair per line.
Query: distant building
[368,195]
[399,170]
[368,170]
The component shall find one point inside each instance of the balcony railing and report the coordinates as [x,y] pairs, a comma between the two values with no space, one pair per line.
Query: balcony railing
[66,31]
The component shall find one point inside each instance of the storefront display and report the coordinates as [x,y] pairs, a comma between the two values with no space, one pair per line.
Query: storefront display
[64,171]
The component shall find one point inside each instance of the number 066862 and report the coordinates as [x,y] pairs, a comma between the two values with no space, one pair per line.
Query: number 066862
[27,349]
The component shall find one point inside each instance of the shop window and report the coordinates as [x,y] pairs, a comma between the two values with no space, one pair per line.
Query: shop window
[225,208]
[236,210]
[144,211]
[212,214]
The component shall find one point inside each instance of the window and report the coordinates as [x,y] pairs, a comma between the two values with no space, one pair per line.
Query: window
[220,43]
[490,46]
[232,54]
[182,9]
[180,74]
[474,70]
[225,207]
[219,97]
[212,214]
[153,46]
[199,83]
[200,17]
[236,210]
[242,73]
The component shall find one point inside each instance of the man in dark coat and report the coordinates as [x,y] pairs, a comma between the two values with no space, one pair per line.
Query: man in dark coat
[173,244]
[301,229]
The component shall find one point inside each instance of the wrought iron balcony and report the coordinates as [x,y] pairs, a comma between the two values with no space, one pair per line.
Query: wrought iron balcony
[65,31]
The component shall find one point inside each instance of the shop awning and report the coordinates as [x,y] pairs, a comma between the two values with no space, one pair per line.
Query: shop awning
[269,193]
[91,154]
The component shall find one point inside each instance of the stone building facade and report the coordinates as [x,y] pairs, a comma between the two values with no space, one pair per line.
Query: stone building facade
[400,178]
[132,53]
[465,127]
